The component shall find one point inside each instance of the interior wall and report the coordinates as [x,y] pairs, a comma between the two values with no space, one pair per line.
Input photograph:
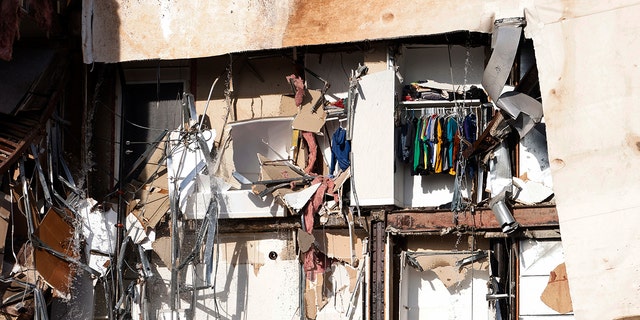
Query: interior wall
[256,276]
[537,259]
[439,62]
[429,294]
[335,68]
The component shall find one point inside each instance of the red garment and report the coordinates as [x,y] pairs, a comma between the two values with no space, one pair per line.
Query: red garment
[9,27]
[310,138]
[299,84]
[43,13]
[315,261]
[313,206]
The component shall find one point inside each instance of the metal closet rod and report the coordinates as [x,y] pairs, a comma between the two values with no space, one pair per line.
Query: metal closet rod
[446,108]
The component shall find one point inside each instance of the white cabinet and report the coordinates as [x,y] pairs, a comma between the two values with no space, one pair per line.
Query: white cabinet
[373,142]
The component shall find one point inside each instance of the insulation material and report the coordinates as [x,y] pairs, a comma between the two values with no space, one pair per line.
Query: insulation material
[135,229]
[297,84]
[98,227]
[593,141]
[531,192]
[57,234]
[297,200]
[329,296]
[312,156]
[186,173]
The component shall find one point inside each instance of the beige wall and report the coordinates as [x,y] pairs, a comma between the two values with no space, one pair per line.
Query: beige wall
[126,30]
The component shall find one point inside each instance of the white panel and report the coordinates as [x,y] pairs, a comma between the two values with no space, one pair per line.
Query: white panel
[534,157]
[373,140]
[246,204]
[273,293]
[537,260]
[427,191]
[531,288]
[250,285]
[593,138]
[539,257]
[270,137]
[426,297]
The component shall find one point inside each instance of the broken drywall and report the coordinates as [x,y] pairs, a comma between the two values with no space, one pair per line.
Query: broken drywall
[447,265]
[556,295]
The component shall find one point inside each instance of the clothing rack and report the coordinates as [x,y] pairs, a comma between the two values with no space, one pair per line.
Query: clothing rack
[476,107]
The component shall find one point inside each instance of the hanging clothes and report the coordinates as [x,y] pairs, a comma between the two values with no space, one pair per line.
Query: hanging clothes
[418,160]
[452,129]
[439,144]
[432,143]
[340,148]
[469,129]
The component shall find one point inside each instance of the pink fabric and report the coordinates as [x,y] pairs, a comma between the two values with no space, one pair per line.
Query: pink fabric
[43,12]
[312,207]
[299,84]
[313,260]
[310,138]
[9,27]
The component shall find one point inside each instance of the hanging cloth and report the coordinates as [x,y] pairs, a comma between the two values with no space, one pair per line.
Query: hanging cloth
[340,148]
[417,148]
[439,145]
[452,129]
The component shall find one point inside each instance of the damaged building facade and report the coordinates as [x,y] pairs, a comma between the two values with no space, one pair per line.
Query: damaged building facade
[286,160]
